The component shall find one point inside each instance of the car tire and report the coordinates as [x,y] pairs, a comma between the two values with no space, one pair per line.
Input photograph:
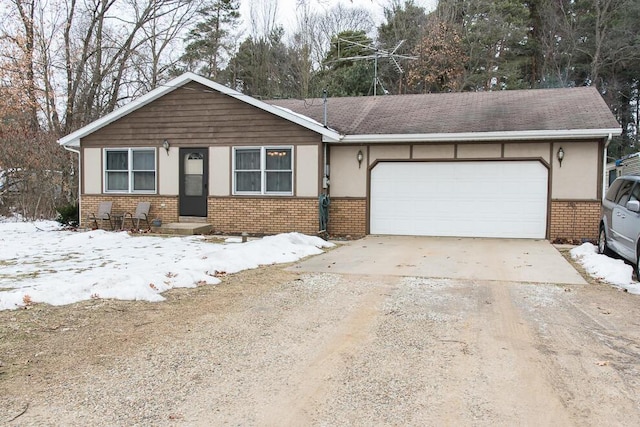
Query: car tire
[602,242]
[637,266]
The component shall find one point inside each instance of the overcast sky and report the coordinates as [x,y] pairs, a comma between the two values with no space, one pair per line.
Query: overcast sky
[287,8]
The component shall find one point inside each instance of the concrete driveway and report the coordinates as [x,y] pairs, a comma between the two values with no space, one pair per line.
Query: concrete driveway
[511,260]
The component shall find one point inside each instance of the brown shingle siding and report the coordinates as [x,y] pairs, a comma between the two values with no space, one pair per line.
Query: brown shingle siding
[194,116]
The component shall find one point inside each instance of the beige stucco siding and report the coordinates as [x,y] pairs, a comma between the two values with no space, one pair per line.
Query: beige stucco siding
[578,177]
[536,149]
[433,151]
[168,172]
[378,152]
[479,151]
[92,170]
[306,172]
[219,171]
[347,179]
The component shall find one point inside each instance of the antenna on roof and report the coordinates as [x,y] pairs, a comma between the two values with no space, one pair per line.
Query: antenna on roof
[377,53]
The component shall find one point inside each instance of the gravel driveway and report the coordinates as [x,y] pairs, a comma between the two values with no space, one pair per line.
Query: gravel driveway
[275,347]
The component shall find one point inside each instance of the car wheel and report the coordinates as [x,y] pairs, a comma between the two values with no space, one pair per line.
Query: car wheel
[602,242]
[637,269]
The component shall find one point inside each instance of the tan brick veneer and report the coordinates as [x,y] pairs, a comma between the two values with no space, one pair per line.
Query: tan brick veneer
[348,217]
[263,215]
[571,220]
[574,220]
[127,203]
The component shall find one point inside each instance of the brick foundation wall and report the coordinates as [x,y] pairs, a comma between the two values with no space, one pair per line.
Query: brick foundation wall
[127,203]
[574,220]
[263,215]
[348,217]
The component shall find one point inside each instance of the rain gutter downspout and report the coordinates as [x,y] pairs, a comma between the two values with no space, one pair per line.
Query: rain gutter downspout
[323,199]
[325,164]
[604,164]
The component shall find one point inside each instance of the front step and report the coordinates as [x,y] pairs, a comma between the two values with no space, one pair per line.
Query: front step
[193,219]
[183,228]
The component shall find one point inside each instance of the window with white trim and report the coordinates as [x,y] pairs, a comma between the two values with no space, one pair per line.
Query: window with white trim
[130,170]
[263,170]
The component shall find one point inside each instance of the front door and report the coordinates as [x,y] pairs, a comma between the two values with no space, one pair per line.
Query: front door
[193,182]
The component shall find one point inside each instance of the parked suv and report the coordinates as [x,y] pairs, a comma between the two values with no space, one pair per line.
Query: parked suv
[620,220]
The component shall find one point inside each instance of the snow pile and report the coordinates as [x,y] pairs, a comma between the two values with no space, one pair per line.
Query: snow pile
[602,267]
[41,263]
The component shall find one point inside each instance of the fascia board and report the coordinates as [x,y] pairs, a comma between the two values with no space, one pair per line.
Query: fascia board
[483,136]
[73,139]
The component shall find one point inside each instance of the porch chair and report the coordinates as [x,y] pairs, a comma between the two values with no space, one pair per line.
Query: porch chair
[141,213]
[103,214]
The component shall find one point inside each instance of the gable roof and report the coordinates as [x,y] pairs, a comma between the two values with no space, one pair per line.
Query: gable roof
[514,115]
[73,139]
[568,113]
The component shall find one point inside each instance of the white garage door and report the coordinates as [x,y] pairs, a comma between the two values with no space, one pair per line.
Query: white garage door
[466,199]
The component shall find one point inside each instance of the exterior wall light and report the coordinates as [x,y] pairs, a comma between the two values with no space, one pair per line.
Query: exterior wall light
[359,157]
[560,155]
[165,145]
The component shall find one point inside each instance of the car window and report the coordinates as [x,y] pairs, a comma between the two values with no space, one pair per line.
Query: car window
[635,193]
[624,193]
[613,190]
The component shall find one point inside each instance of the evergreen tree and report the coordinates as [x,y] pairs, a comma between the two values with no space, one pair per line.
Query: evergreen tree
[343,76]
[403,21]
[207,41]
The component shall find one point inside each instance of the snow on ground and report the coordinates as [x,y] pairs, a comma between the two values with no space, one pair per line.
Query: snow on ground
[607,269]
[41,263]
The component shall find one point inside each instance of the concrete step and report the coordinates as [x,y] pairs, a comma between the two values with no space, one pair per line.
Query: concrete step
[183,228]
[193,219]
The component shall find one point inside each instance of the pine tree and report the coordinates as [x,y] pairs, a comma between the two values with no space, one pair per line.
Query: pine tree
[207,42]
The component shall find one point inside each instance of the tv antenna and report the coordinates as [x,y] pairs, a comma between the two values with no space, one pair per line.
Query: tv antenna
[377,53]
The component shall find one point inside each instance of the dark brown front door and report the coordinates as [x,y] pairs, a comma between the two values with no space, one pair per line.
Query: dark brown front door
[194,165]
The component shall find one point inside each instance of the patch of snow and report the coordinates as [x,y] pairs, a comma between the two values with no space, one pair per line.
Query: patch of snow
[602,267]
[233,240]
[41,263]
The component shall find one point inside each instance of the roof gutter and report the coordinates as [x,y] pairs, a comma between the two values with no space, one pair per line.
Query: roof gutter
[481,136]
[68,148]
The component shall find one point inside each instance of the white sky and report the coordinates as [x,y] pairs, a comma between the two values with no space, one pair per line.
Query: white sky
[287,8]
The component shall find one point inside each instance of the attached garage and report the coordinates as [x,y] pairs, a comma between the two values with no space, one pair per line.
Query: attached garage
[460,198]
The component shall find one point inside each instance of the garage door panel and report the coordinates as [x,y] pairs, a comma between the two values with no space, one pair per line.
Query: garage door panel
[474,199]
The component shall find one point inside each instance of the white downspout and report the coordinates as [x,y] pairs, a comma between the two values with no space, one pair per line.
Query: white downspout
[604,165]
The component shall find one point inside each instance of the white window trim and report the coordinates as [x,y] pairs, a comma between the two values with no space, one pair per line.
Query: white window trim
[130,170]
[263,171]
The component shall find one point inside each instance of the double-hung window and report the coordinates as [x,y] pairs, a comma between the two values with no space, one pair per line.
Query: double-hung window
[263,170]
[130,170]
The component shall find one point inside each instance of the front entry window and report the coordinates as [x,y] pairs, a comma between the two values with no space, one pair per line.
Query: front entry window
[193,171]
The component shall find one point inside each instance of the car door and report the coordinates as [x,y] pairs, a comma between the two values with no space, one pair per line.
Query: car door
[622,221]
[630,225]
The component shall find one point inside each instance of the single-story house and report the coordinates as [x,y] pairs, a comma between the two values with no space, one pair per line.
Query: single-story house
[521,164]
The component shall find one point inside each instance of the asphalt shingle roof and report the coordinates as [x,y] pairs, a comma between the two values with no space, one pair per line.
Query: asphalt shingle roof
[513,110]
